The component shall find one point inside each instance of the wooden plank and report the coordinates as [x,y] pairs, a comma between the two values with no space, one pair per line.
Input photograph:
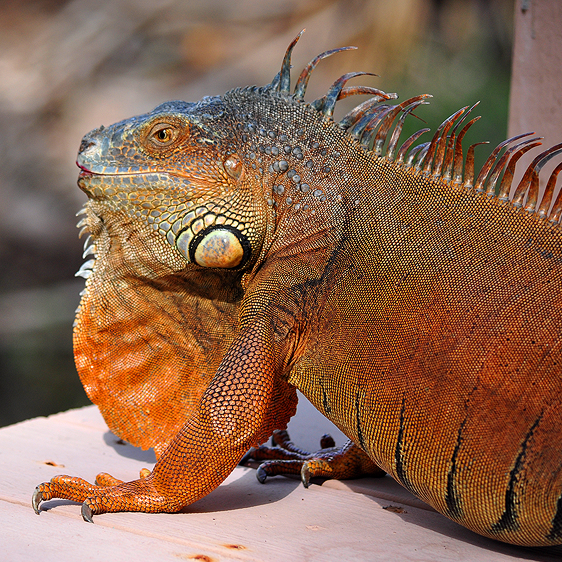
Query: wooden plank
[241,520]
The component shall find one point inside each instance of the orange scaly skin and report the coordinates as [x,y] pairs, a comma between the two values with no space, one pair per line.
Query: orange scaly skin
[247,245]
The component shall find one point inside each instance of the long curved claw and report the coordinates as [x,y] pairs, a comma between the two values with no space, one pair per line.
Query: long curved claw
[38,496]
[87,513]
[36,500]
[261,474]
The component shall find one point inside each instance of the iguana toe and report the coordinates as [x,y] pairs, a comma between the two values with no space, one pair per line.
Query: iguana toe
[106,480]
[113,495]
[261,474]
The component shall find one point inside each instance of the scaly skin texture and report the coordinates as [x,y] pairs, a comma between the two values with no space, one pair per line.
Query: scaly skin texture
[246,245]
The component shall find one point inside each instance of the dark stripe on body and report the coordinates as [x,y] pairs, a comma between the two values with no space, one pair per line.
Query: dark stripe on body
[325,402]
[451,498]
[508,521]
[398,453]
[358,418]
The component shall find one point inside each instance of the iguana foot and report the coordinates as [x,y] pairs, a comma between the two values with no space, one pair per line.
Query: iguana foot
[108,495]
[331,462]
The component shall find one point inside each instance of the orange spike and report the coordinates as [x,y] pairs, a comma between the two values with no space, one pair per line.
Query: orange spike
[421,158]
[469,166]
[388,120]
[398,129]
[493,180]
[414,152]
[461,120]
[450,153]
[369,122]
[443,142]
[302,82]
[525,182]
[533,192]
[335,90]
[358,112]
[521,189]
[284,84]
[448,164]
[366,90]
[554,217]
[379,119]
[479,184]
[505,186]
[441,132]
[534,184]
[548,193]
[457,170]
[408,143]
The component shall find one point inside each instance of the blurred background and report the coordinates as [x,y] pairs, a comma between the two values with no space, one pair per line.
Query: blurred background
[68,66]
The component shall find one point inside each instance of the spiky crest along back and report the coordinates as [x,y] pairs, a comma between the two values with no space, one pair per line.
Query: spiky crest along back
[376,126]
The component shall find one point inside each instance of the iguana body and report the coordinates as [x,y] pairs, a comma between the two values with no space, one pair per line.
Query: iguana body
[247,245]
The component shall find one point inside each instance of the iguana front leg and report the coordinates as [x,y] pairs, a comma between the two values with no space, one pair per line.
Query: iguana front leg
[243,404]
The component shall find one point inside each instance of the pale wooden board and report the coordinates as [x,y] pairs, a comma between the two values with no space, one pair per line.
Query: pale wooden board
[241,520]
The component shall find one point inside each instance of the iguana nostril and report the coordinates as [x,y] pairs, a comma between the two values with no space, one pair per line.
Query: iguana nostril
[86,144]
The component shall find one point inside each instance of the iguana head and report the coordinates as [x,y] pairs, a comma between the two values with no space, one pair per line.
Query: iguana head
[176,170]
[183,202]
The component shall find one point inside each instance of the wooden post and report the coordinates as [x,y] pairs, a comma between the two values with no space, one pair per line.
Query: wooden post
[536,82]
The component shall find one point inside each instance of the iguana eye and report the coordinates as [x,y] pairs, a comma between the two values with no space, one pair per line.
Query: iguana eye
[163,134]
[233,166]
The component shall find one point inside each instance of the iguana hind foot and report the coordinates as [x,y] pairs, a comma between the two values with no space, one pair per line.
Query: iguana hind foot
[331,462]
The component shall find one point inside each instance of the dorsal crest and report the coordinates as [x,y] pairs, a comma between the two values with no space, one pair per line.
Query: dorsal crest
[377,125]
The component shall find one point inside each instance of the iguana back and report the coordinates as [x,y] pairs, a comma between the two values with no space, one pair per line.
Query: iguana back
[260,246]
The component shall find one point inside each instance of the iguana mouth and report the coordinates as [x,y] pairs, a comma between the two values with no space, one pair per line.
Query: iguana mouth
[101,170]
[107,171]
[83,168]
[85,175]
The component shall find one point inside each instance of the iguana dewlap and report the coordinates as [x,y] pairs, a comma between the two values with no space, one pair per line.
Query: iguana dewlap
[247,245]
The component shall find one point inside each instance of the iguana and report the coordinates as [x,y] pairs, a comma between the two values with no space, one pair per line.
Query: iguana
[248,245]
